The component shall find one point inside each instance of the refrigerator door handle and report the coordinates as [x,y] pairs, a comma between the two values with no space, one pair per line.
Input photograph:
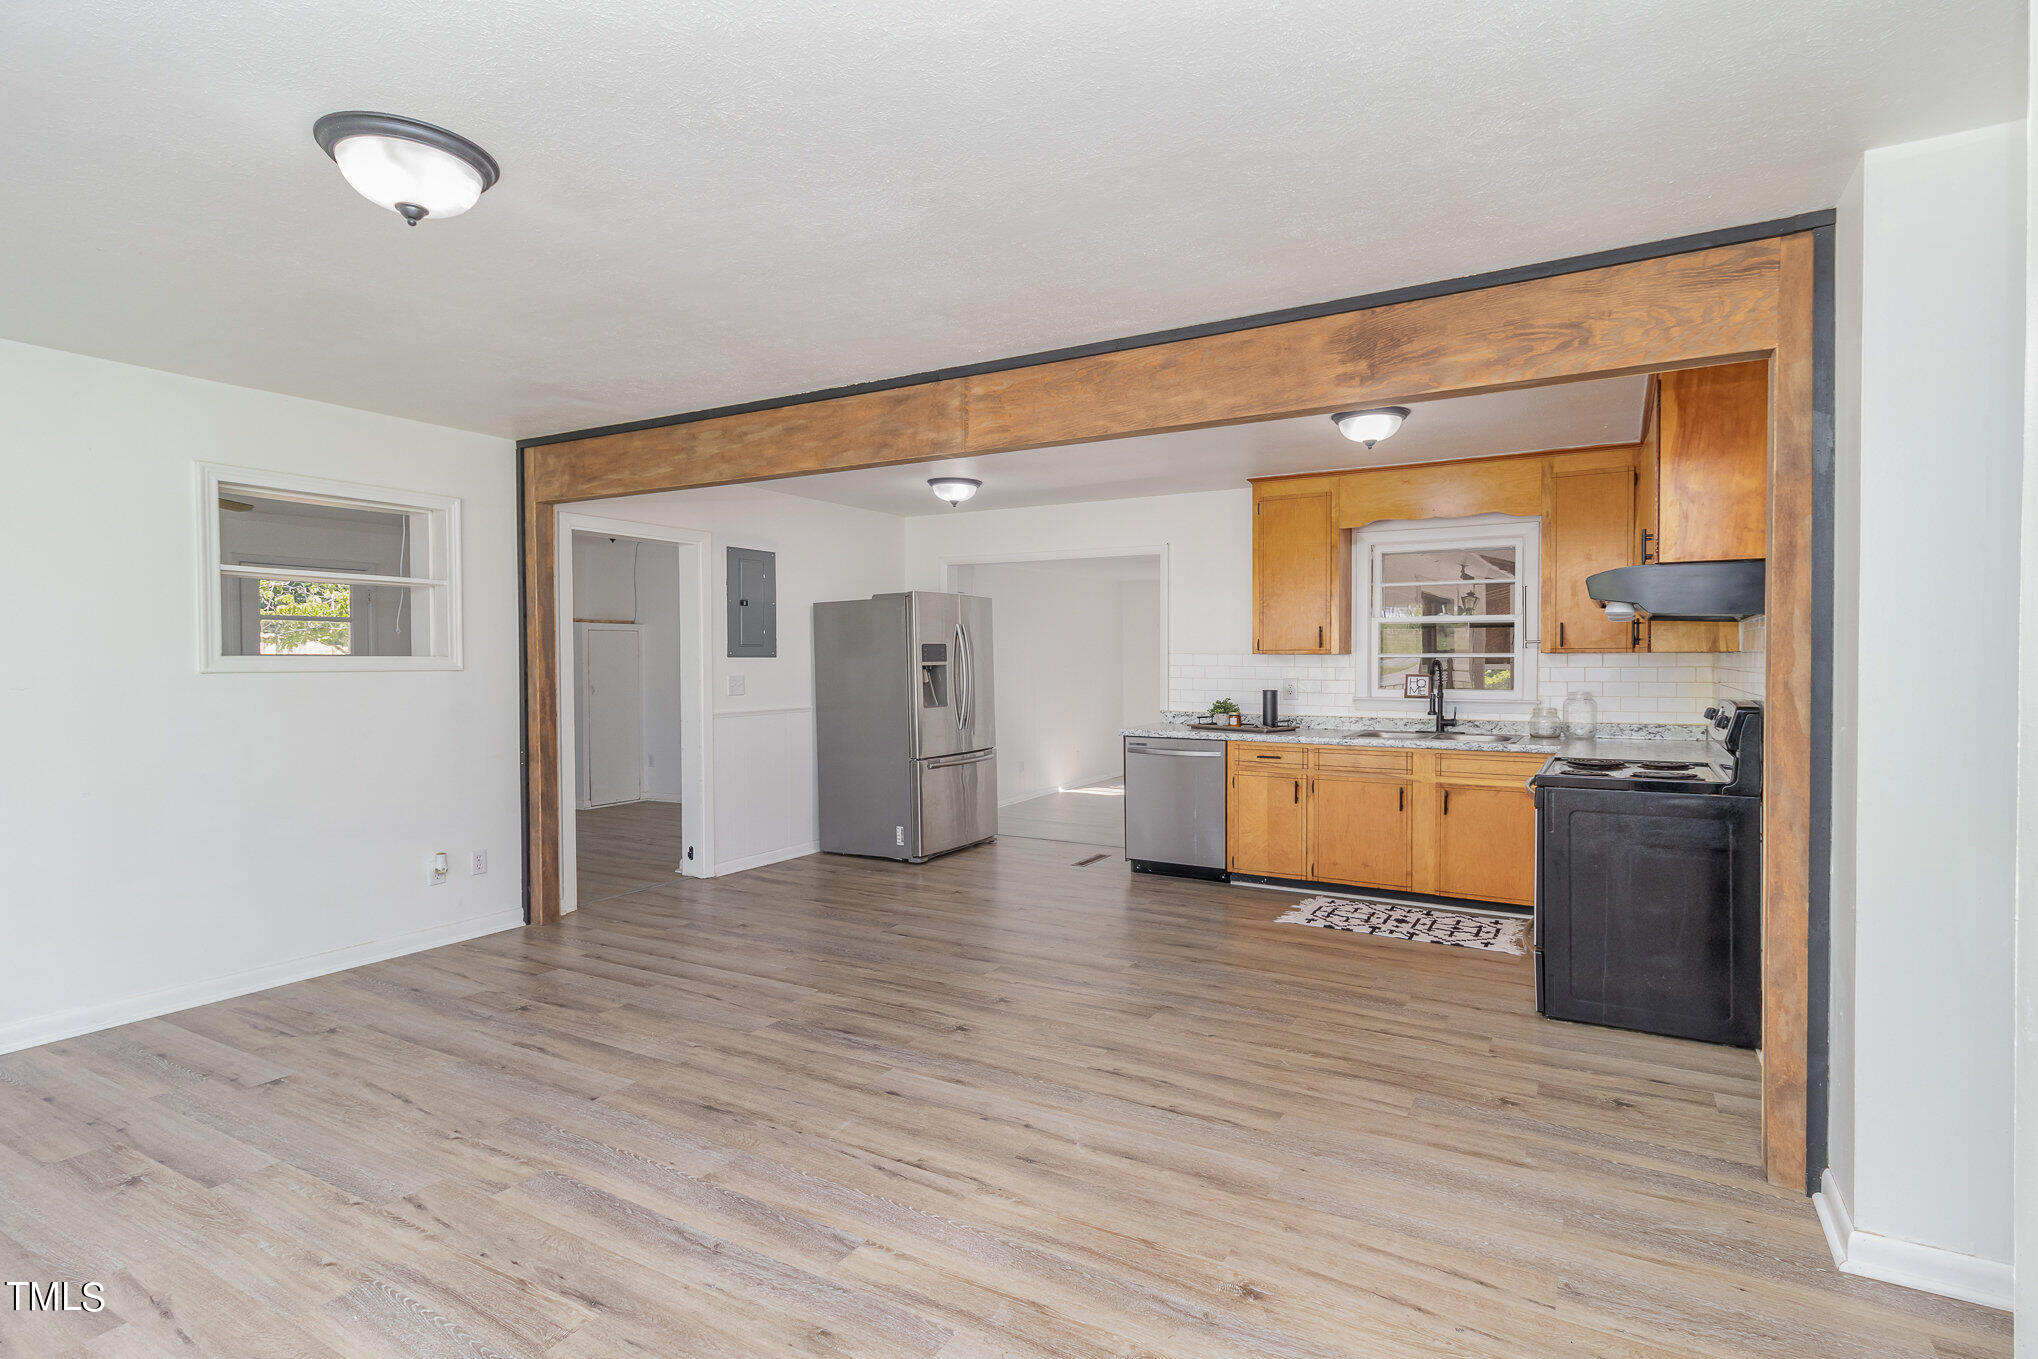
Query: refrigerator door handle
[976,757]
[955,669]
[962,678]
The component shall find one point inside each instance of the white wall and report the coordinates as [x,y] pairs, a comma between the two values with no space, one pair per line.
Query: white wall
[1847,287]
[169,837]
[2027,782]
[1059,657]
[627,580]
[658,611]
[1925,1018]
[1209,597]
[764,738]
[1210,563]
[1142,666]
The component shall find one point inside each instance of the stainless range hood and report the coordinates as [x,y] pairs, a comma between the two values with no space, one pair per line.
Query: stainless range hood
[1699,592]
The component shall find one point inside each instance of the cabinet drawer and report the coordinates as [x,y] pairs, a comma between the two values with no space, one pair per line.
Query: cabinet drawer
[1476,767]
[1363,759]
[1255,755]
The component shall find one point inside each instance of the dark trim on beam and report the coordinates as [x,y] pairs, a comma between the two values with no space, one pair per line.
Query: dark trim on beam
[523,691]
[1679,245]
[1819,912]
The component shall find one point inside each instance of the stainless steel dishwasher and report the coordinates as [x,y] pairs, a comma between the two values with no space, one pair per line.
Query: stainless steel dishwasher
[1174,806]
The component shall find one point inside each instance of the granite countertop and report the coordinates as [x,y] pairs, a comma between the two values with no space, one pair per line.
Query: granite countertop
[1644,743]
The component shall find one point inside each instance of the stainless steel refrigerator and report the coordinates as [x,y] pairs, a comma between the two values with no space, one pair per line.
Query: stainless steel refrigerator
[904,717]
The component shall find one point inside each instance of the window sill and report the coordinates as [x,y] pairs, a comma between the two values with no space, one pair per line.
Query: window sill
[323,665]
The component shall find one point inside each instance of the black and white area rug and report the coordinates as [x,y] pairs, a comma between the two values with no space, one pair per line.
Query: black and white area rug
[1396,921]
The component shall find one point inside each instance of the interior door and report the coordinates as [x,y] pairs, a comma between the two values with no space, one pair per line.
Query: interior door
[612,666]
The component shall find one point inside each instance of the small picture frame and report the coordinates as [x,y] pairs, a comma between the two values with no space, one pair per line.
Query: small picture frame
[1415,685]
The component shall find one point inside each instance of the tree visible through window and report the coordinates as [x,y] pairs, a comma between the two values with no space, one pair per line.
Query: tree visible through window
[306,618]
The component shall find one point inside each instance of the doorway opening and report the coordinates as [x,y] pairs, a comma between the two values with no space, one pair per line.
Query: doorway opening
[1082,654]
[633,660]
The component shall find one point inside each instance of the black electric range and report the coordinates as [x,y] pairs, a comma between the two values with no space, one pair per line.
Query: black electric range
[1649,887]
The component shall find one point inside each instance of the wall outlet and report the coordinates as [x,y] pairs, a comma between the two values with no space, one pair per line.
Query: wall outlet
[737,683]
[477,863]
[438,867]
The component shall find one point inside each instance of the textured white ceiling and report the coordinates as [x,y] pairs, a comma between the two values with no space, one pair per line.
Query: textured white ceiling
[1563,415]
[715,202]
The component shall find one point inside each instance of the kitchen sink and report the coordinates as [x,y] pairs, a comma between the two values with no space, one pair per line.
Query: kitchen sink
[1432,736]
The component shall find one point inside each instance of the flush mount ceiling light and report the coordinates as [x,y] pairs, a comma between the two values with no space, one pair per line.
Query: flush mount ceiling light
[1370,427]
[412,168]
[954,490]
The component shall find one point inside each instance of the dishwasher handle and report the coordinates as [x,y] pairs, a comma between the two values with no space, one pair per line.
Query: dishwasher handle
[1177,754]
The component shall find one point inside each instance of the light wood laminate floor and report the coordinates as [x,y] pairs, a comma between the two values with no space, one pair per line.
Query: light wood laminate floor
[991,1107]
[1091,815]
[626,848]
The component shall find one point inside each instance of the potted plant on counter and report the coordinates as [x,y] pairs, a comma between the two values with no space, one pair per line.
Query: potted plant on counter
[1224,713]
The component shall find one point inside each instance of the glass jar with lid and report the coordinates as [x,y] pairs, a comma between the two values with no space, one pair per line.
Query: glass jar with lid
[1544,720]
[1581,715]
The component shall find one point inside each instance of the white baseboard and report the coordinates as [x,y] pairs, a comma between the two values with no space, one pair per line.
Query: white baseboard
[1908,1264]
[724,867]
[1032,793]
[29,1033]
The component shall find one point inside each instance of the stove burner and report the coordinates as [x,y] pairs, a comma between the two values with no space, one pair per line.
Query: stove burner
[1671,765]
[1579,762]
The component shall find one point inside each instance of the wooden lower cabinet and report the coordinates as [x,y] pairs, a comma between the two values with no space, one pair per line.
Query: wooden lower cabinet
[1266,825]
[1486,843]
[1441,823]
[1361,831]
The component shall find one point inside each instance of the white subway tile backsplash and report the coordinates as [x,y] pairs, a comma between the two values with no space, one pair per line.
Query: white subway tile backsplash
[1672,687]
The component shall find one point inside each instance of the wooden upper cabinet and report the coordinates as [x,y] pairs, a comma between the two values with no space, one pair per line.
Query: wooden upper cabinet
[1713,463]
[1588,526]
[1267,823]
[1301,572]
[1360,830]
[1674,499]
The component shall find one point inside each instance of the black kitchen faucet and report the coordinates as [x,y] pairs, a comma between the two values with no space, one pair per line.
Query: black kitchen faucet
[1436,695]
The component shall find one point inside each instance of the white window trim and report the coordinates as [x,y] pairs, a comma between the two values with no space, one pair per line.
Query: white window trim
[441,571]
[1522,533]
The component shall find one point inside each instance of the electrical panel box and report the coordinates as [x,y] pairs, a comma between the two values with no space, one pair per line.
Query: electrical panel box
[753,602]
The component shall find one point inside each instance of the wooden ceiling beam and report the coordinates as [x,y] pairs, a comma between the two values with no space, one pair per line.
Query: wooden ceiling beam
[1644,316]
